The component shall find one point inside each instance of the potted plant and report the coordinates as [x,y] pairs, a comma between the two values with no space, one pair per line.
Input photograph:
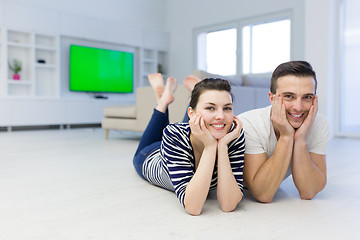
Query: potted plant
[16,68]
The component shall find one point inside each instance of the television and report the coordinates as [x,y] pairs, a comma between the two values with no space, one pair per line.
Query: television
[100,70]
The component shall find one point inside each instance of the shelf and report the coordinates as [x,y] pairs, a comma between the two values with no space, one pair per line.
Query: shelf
[145,74]
[148,53]
[41,65]
[20,89]
[45,55]
[22,45]
[38,47]
[36,79]
[19,37]
[148,60]
[19,82]
[45,41]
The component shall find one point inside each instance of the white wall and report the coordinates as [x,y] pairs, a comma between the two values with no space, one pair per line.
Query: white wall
[315,34]
[56,15]
[124,21]
[186,15]
[112,23]
[321,39]
[120,23]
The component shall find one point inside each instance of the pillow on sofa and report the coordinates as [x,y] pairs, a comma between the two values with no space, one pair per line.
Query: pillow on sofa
[257,80]
[120,111]
[234,80]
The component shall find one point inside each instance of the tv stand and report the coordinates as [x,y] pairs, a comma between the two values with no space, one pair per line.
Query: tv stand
[99,96]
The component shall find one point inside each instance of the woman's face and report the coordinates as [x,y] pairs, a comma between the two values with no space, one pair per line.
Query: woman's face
[217,111]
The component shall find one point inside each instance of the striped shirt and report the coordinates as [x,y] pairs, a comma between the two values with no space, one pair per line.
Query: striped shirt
[173,165]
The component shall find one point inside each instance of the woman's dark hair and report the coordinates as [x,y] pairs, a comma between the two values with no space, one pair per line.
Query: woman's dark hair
[209,84]
[295,68]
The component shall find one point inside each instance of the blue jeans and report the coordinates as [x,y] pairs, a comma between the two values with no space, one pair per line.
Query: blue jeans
[151,138]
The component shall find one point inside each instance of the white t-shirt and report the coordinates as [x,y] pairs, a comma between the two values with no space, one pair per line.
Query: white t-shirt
[260,135]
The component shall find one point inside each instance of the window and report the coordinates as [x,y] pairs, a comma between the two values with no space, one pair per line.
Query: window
[263,46]
[350,84]
[217,52]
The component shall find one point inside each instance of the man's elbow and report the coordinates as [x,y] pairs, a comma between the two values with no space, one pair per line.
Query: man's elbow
[264,197]
[307,195]
[261,195]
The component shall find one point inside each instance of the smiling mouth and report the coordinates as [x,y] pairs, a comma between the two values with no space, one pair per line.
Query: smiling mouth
[218,126]
[296,115]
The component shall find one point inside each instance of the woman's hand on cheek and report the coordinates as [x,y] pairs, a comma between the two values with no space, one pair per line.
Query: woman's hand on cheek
[235,133]
[207,137]
[194,123]
[200,131]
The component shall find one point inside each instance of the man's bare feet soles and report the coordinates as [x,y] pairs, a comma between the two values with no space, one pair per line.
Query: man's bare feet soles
[190,82]
[157,83]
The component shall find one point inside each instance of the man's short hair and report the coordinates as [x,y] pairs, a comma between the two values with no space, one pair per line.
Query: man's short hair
[295,68]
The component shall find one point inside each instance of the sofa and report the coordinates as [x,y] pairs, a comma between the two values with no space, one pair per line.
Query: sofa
[136,117]
[249,91]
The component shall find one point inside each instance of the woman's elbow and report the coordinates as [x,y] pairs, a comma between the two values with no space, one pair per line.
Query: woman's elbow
[229,206]
[194,211]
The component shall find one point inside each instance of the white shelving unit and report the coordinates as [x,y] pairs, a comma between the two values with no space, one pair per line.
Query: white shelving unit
[152,61]
[162,63]
[19,47]
[46,65]
[2,57]
[38,54]
[38,91]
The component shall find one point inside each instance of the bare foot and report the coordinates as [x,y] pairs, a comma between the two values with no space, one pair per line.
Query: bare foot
[157,83]
[190,82]
[171,84]
[168,94]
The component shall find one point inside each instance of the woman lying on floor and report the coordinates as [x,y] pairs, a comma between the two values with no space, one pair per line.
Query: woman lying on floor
[197,156]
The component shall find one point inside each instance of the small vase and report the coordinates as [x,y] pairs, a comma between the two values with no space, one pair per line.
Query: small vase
[16,76]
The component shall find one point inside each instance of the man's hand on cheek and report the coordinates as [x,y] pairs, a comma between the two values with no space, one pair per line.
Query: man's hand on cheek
[305,127]
[278,117]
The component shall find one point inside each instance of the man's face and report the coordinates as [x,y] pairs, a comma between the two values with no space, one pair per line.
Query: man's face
[298,95]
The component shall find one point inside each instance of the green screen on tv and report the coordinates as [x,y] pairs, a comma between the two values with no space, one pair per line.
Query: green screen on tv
[100,70]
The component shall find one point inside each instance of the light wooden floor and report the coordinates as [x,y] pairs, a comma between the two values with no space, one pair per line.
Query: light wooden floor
[73,184]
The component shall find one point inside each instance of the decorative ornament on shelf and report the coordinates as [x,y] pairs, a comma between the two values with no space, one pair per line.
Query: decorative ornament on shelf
[16,68]
[160,68]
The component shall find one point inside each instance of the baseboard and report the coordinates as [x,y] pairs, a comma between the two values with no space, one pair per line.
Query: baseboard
[48,127]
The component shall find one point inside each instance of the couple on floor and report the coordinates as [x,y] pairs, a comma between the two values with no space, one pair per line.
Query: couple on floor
[212,149]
